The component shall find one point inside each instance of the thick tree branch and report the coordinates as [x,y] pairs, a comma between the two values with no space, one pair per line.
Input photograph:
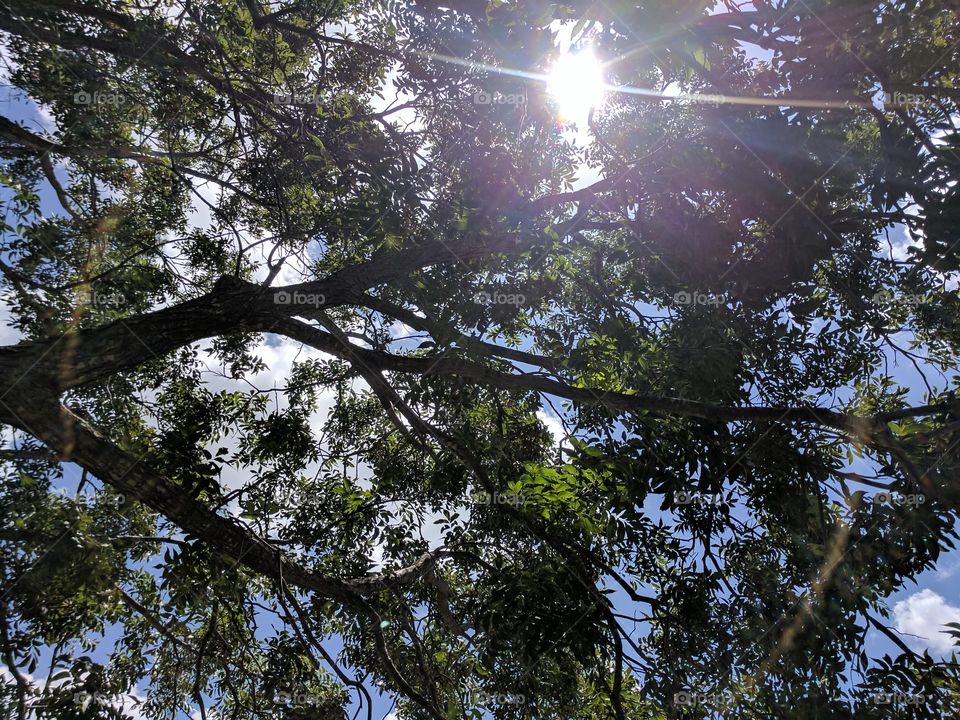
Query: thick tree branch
[76,441]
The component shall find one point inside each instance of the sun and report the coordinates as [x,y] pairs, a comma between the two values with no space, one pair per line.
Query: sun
[576,84]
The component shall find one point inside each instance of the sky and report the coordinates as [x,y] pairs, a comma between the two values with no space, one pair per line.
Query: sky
[918,611]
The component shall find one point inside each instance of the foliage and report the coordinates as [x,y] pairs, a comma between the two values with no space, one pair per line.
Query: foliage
[738,297]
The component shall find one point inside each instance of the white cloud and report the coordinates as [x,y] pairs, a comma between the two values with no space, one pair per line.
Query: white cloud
[128,702]
[8,335]
[391,97]
[45,115]
[554,426]
[948,565]
[8,65]
[906,240]
[923,616]
[202,201]
[401,330]
[279,357]
[902,244]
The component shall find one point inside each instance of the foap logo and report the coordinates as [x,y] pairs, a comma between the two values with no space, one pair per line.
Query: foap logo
[286,697]
[902,100]
[481,697]
[685,497]
[295,99]
[895,699]
[483,97]
[499,298]
[712,100]
[297,299]
[685,698]
[895,498]
[702,99]
[697,298]
[885,297]
[484,498]
[107,299]
[85,699]
[90,499]
[98,98]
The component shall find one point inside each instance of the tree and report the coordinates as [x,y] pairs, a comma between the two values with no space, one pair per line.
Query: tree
[744,477]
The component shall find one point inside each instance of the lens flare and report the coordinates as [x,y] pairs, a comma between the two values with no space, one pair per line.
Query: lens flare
[576,84]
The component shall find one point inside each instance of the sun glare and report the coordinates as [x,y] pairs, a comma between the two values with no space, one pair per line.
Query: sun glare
[576,83]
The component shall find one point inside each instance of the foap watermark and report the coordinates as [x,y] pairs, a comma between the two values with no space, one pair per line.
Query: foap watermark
[90,499]
[901,699]
[481,697]
[483,97]
[499,298]
[885,297]
[895,498]
[284,297]
[296,99]
[86,699]
[698,298]
[902,100]
[287,697]
[96,97]
[687,698]
[107,300]
[707,99]
[685,497]
[481,497]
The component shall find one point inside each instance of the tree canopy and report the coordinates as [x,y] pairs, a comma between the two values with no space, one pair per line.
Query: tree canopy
[643,414]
